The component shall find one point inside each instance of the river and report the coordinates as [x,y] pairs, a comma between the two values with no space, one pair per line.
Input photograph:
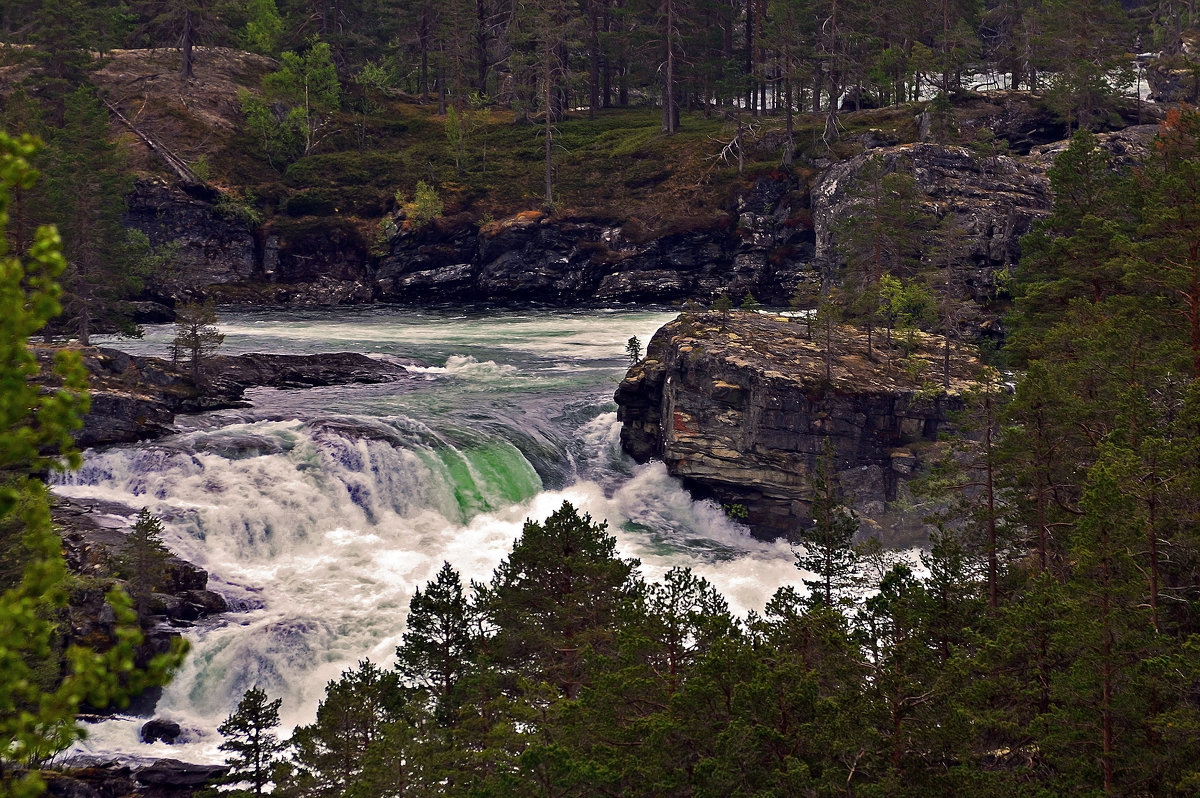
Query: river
[318,512]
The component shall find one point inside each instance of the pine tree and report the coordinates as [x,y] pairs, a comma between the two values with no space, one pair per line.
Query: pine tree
[633,350]
[196,336]
[143,560]
[827,547]
[556,598]
[332,753]
[86,183]
[439,645]
[253,748]
[880,237]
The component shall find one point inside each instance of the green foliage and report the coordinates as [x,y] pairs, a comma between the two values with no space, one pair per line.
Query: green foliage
[264,27]
[333,753]
[196,336]
[238,207]
[735,512]
[85,186]
[36,426]
[633,350]
[143,560]
[37,719]
[253,748]
[749,304]
[439,644]
[292,115]
[826,547]
[279,143]
[905,304]
[723,305]
[424,207]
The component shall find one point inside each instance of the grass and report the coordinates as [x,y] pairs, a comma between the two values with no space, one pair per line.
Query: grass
[617,166]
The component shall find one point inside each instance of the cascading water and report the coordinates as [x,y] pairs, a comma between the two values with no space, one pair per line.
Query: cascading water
[318,512]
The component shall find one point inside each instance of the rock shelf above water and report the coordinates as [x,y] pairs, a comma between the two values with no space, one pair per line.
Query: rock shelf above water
[740,411]
[136,398]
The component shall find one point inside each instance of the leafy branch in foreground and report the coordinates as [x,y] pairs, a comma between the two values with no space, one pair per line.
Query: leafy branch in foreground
[41,689]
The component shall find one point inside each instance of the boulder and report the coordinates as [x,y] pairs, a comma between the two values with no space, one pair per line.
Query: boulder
[173,774]
[153,731]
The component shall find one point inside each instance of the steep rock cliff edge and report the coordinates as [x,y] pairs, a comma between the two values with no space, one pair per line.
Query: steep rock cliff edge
[739,409]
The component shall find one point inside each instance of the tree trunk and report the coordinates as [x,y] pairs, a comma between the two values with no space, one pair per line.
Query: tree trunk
[186,43]
[549,91]
[481,44]
[789,146]
[594,63]
[670,122]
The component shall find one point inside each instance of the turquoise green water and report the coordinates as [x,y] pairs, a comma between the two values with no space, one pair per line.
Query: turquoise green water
[320,511]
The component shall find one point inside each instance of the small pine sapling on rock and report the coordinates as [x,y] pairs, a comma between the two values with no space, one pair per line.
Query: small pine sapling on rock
[196,336]
[633,349]
[143,561]
[723,304]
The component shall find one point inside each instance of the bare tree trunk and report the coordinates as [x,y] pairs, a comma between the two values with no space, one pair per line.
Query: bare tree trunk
[789,145]
[547,76]
[670,122]
[594,62]
[186,43]
[481,44]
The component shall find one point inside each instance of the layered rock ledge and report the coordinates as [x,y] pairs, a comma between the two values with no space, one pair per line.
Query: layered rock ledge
[136,398]
[740,410]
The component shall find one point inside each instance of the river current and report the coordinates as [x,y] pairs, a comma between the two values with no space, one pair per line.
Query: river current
[318,512]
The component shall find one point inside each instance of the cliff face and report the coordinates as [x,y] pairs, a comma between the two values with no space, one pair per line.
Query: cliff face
[741,415]
[213,249]
[565,261]
[775,234]
[993,200]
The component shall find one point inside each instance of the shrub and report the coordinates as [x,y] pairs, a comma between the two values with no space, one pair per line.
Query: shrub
[424,207]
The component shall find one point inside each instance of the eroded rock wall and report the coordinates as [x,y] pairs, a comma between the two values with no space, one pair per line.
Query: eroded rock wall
[778,232]
[742,414]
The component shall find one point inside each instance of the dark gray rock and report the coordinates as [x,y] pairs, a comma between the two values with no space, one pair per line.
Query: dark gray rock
[108,781]
[136,398]
[213,248]
[994,201]
[167,731]
[171,773]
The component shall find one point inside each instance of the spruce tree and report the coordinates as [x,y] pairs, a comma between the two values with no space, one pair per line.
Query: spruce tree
[827,550]
[253,748]
[143,560]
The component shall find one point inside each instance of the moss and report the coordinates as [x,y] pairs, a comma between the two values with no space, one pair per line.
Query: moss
[380,169]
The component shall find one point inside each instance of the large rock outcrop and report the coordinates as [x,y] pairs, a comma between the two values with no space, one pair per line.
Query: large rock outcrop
[741,415]
[993,200]
[136,398]
[534,258]
[776,232]
[214,246]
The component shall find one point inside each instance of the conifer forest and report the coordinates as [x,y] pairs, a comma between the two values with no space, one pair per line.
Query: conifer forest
[1041,639]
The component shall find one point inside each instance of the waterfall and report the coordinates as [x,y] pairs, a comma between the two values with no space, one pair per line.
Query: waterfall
[319,512]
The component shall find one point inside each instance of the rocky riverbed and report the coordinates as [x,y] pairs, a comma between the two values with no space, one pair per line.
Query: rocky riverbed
[136,398]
